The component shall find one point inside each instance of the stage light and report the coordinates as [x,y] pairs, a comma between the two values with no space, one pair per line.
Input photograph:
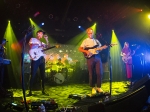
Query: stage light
[75,19]
[60,51]
[89,19]
[36,14]
[79,26]
[149,16]
[51,16]
[42,23]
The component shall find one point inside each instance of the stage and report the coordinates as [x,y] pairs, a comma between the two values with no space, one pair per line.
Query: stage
[66,95]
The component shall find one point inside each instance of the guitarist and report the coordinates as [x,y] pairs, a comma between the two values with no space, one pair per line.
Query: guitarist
[35,43]
[126,54]
[93,60]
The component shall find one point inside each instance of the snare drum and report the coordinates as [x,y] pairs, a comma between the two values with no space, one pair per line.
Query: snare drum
[59,78]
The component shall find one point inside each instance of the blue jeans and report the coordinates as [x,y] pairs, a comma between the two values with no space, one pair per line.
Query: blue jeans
[40,63]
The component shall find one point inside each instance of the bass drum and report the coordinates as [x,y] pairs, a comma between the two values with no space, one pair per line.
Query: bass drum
[59,78]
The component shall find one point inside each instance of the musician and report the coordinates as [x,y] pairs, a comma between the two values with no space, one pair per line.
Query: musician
[94,63]
[2,56]
[126,54]
[37,58]
[59,63]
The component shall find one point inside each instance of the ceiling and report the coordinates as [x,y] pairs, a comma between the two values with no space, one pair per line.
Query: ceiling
[62,17]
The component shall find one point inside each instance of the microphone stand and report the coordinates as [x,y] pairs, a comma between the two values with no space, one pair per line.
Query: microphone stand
[29,30]
[110,65]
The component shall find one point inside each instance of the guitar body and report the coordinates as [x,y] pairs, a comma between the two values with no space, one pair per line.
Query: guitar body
[125,59]
[92,51]
[35,54]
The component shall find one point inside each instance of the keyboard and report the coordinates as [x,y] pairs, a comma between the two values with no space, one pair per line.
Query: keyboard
[5,61]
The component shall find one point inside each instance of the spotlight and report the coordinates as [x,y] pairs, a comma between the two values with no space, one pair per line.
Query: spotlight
[51,16]
[75,19]
[42,23]
[36,14]
[149,16]
[79,26]
[89,19]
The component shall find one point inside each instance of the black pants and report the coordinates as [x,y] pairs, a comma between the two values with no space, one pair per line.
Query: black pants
[40,63]
[95,70]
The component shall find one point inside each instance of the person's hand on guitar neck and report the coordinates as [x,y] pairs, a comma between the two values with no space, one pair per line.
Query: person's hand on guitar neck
[104,47]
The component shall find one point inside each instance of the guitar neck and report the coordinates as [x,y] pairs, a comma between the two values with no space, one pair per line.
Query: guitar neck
[48,48]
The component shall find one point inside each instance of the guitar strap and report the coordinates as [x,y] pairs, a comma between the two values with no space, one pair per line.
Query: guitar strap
[96,42]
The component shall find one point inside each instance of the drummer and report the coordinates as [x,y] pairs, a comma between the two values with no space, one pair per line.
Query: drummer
[60,65]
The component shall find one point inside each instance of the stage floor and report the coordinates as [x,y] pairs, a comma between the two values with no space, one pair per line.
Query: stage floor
[61,92]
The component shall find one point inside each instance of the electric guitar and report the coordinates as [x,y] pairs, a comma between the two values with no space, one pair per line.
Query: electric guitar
[127,57]
[36,53]
[93,50]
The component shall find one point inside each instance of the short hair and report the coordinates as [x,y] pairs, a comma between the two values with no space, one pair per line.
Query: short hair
[88,29]
[40,31]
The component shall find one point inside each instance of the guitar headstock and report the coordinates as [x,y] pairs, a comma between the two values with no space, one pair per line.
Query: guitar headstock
[57,46]
[113,44]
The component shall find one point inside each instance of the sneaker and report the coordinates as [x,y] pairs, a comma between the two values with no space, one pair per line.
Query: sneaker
[99,90]
[93,91]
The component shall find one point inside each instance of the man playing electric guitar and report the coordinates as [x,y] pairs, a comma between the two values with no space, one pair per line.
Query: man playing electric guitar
[93,60]
[37,58]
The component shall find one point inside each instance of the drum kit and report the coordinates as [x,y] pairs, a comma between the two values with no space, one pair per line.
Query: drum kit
[57,69]
[57,74]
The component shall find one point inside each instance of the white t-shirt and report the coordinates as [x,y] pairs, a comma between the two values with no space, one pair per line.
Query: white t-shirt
[90,43]
[36,42]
